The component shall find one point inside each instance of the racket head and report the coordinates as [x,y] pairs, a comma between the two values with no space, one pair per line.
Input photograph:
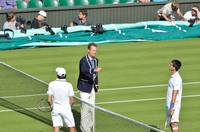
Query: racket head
[168,120]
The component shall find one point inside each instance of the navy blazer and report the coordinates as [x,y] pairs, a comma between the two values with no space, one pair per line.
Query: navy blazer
[88,78]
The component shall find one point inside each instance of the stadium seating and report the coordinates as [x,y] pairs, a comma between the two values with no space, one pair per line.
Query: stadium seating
[66,2]
[56,3]
[111,1]
[21,4]
[35,4]
[96,2]
[50,3]
[127,1]
[81,2]
[119,1]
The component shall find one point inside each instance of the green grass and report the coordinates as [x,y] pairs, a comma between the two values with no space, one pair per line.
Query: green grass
[124,65]
[12,122]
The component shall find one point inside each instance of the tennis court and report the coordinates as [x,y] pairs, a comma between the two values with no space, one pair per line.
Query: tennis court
[133,82]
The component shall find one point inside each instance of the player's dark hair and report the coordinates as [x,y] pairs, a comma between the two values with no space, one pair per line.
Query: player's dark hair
[61,77]
[91,44]
[177,64]
[84,12]
[9,16]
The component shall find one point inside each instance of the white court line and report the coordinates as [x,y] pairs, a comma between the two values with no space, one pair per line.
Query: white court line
[9,110]
[115,102]
[145,86]
[22,96]
[102,90]
[144,100]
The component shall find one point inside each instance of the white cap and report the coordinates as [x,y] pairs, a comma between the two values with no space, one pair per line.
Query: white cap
[42,13]
[60,71]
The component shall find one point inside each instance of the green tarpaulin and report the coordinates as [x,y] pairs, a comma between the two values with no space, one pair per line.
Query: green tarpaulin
[81,35]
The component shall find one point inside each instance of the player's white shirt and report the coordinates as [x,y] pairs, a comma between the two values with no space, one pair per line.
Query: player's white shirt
[60,90]
[188,15]
[175,83]
[167,10]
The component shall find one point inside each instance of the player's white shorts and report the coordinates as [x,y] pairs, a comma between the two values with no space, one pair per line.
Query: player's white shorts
[66,116]
[175,116]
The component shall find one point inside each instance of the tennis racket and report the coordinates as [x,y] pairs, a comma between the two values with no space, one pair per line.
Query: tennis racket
[168,120]
[43,106]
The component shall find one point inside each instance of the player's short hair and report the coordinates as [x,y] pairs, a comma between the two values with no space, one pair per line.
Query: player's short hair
[176,63]
[84,12]
[61,77]
[91,44]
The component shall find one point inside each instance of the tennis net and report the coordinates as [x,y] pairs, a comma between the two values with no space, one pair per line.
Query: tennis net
[24,93]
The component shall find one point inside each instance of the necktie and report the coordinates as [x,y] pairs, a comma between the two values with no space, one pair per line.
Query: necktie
[93,63]
[93,67]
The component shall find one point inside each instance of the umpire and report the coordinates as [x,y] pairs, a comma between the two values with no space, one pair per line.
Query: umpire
[87,86]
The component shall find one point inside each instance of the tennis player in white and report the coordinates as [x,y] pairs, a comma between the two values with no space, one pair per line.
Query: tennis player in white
[174,94]
[60,98]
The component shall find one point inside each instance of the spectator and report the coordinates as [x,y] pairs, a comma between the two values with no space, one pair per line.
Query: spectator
[81,19]
[166,13]
[39,20]
[144,1]
[194,14]
[27,1]
[10,22]
[7,4]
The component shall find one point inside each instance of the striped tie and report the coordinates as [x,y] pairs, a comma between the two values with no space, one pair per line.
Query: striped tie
[93,63]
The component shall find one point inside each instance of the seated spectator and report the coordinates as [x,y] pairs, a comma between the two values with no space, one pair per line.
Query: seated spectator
[144,1]
[10,22]
[39,20]
[166,13]
[193,14]
[81,19]
[7,4]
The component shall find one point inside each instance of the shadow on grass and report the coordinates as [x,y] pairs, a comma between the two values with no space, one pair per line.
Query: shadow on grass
[77,116]
[9,105]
